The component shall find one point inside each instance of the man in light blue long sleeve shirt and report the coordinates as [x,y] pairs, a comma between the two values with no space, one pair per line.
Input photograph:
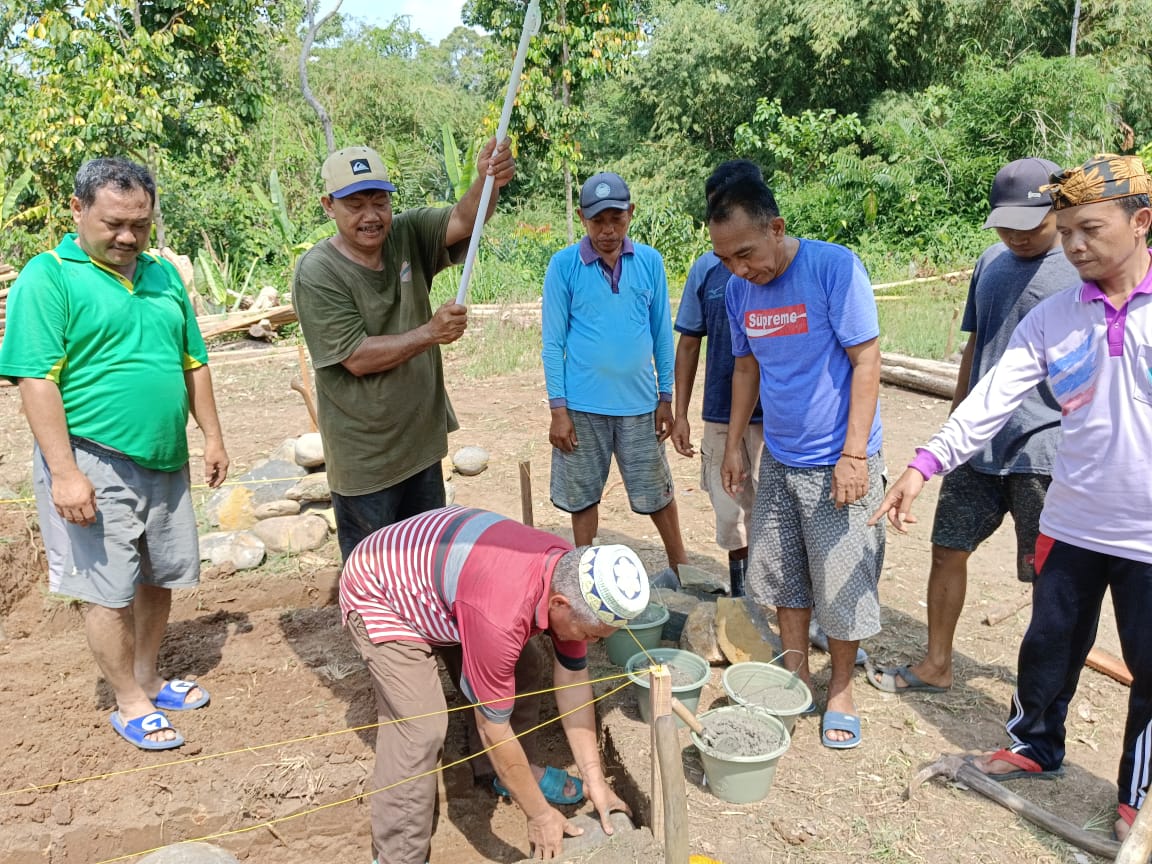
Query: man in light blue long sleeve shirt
[608,363]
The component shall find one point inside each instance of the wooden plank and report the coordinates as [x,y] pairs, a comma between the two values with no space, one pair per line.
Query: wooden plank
[660,705]
[1110,665]
[231,323]
[675,795]
[526,493]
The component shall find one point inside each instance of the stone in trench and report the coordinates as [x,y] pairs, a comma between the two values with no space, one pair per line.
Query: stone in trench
[309,450]
[190,853]
[449,493]
[232,506]
[286,452]
[679,604]
[314,487]
[242,549]
[321,509]
[277,508]
[292,533]
[699,634]
[470,461]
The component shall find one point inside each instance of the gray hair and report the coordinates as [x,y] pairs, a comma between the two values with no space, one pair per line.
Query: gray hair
[566,581]
[117,172]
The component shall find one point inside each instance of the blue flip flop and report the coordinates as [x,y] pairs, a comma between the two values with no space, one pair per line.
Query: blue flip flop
[171,696]
[552,785]
[842,722]
[133,731]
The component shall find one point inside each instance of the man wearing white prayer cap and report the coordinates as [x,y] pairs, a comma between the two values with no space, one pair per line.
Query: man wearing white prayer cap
[474,587]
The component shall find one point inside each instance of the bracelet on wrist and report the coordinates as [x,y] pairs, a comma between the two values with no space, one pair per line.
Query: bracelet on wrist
[848,455]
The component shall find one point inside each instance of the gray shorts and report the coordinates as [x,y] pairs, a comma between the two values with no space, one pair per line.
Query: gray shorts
[144,533]
[578,477]
[807,554]
[972,506]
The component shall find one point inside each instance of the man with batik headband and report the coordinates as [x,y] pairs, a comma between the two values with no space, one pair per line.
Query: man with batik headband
[480,584]
[1093,344]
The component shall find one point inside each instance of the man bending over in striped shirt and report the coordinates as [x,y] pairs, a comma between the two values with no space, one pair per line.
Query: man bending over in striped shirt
[473,581]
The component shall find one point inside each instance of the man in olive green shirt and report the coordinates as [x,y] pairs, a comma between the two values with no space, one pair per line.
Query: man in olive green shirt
[362,300]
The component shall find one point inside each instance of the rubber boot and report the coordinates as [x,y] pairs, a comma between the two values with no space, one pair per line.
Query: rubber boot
[736,571]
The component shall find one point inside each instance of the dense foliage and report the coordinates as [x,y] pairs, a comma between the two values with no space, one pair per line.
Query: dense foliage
[879,123]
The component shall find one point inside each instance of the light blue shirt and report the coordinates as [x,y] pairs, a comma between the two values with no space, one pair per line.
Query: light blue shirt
[798,327]
[607,352]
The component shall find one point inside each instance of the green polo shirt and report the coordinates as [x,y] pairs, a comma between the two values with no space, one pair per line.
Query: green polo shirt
[118,349]
[378,429]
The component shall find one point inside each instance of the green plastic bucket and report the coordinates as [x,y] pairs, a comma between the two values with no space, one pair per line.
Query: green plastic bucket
[646,627]
[770,687]
[742,779]
[688,693]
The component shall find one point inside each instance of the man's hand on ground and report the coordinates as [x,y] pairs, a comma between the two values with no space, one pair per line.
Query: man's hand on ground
[562,434]
[74,497]
[849,481]
[448,323]
[605,800]
[663,421]
[215,463]
[897,503]
[681,437]
[546,832]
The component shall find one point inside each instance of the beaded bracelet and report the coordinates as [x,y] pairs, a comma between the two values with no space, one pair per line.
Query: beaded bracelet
[853,456]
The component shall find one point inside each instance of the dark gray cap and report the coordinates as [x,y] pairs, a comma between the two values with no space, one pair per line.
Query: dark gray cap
[604,191]
[1016,199]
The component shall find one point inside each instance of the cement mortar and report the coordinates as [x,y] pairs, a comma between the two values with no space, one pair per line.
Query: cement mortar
[739,733]
[775,697]
[682,676]
[650,615]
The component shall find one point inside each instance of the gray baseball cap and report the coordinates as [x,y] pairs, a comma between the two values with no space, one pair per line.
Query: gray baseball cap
[1015,197]
[604,191]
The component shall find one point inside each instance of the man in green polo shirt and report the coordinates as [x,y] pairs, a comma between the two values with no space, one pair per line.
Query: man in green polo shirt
[362,300]
[104,345]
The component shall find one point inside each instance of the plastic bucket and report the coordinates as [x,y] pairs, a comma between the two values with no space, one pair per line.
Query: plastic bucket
[770,687]
[688,693]
[742,779]
[646,628]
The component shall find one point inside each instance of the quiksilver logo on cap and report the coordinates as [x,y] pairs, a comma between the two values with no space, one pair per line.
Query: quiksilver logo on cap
[603,190]
[360,166]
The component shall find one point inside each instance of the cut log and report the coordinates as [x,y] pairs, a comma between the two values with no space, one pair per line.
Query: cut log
[921,382]
[941,368]
[216,325]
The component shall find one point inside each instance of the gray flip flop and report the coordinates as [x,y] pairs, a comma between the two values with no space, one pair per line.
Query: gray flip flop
[888,675]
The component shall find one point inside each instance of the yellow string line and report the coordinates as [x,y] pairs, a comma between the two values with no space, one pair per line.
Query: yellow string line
[362,795]
[194,486]
[257,747]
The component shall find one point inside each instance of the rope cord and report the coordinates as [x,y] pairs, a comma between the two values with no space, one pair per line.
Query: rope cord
[191,760]
[281,819]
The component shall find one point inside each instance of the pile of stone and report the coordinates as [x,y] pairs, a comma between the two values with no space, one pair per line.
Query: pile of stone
[282,504]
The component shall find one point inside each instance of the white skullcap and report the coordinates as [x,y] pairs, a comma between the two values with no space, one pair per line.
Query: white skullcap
[614,583]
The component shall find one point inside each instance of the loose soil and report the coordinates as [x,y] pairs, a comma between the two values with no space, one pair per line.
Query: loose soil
[284,677]
[740,733]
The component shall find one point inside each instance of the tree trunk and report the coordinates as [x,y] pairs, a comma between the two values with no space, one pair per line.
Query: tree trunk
[305,50]
[566,101]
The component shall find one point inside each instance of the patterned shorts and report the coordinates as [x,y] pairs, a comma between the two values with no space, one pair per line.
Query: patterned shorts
[578,477]
[805,553]
[972,506]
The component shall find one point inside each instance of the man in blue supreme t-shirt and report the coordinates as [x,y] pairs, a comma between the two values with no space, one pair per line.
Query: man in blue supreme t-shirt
[606,324]
[805,337]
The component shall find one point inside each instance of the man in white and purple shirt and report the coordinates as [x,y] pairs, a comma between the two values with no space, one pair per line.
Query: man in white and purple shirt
[1093,344]
[466,579]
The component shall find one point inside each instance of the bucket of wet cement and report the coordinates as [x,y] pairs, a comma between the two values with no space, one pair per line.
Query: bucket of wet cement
[740,748]
[689,672]
[770,687]
[643,631]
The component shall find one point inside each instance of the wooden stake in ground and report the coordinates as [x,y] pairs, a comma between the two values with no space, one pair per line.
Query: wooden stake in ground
[306,382]
[660,705]
[526,493]
[675,795]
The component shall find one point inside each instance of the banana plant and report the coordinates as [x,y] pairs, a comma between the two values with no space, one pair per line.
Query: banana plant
[10,193]
[461,171]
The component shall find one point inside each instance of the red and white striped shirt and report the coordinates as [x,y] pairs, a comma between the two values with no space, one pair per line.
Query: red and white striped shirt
[460,576]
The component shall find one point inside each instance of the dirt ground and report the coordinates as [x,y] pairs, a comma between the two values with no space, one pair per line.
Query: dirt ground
[288,691]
